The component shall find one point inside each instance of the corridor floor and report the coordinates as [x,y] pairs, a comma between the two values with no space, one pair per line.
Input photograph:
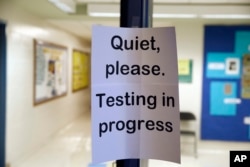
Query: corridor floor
[71,147]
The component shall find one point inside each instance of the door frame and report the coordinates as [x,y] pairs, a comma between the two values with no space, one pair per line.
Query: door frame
[3,78]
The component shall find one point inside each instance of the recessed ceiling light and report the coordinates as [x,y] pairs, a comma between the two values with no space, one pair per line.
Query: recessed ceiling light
[103,14]
[67,6]
[166,15]
[225,16]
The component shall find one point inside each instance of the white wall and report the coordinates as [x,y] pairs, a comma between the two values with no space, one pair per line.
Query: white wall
[189,39]
[28,126]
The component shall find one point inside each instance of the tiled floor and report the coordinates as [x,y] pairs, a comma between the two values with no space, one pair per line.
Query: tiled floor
[71,147]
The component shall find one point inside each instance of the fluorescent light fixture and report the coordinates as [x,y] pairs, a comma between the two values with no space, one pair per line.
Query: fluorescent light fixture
[156,15]
[225,16]
[180,16]
[98,14]
[67,6]
[177,16]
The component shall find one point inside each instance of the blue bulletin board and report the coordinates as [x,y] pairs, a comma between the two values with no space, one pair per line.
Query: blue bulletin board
[226,83]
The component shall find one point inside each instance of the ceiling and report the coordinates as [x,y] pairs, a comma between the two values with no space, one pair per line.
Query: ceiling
[79,23]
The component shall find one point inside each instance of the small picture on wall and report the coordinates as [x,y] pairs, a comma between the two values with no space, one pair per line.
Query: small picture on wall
[50,71]
[232,66]
[227,89]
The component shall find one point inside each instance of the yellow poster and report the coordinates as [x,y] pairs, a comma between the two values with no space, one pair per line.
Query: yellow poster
[80,70]
[183,67]
[185,70]
[245,78]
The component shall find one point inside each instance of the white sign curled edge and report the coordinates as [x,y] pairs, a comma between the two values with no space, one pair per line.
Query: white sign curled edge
[134,94]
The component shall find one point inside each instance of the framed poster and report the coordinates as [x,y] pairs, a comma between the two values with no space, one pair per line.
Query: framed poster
[50,71]
[80,71]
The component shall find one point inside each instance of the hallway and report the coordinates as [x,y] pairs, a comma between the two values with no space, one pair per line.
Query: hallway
[71,147]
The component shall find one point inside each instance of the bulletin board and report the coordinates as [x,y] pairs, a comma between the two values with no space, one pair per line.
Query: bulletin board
[226,83]
[80,70]
[50,71]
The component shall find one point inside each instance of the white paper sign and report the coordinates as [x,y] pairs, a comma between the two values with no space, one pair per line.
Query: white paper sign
[134,94]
